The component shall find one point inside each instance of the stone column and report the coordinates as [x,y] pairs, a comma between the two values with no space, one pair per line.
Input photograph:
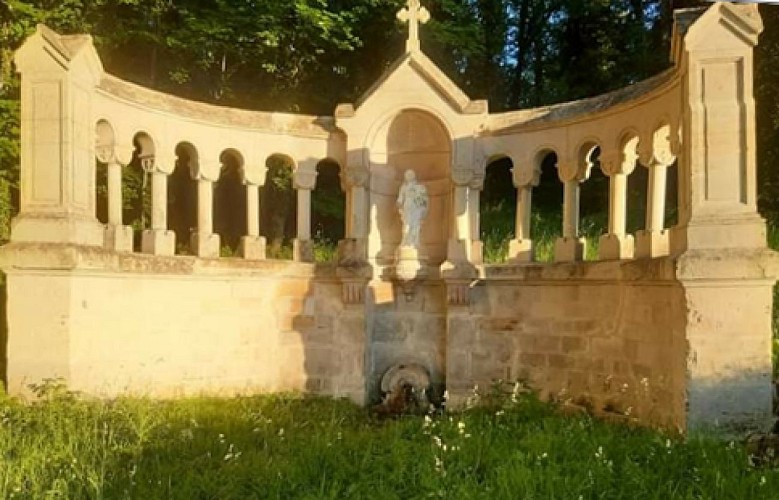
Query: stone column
[253,245]
[521,247]
[305,182]
[458,248]
[654,241]
[570,247]
[57,176]
[354,182]
[474,207]
[616,244]
[118,237]
[158,240]
[204,242]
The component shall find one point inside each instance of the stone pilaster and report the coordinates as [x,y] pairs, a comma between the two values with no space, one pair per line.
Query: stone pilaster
[723,264]
[354,181]
[57,191]
[474,207]
[458,246]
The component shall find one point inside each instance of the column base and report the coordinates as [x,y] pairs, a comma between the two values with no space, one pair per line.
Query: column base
[303,250]
[253,248]
[118,238]
[521,251]
[352,251]
[651,244]
[569,249]
[457,251]
[158,242]
[616,247]
[477,251]
[57,228]
[205,245]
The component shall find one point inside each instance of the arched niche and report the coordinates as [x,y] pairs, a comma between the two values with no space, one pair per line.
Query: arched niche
[279,210]
[498,209]
[137,186]
[328,205]
[230,201]
[104,152]
[411,140]
[546,211]
[182,196]
[594,199]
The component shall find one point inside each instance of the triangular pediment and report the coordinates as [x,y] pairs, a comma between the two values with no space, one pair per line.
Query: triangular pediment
[415,68]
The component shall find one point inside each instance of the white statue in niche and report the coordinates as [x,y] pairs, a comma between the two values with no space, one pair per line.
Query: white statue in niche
[413,205]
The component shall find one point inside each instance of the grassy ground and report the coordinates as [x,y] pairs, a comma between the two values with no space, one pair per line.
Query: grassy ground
[294,447]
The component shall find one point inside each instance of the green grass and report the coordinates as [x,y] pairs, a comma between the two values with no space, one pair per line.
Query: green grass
[545,229]
[295,447]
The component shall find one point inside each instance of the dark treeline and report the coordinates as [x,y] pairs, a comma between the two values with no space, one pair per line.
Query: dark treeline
[308,55]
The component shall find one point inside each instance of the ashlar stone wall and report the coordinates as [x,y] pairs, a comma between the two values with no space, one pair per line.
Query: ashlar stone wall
[609,337]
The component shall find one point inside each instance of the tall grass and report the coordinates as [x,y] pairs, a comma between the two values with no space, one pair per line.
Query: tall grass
[295,447]
[546,228]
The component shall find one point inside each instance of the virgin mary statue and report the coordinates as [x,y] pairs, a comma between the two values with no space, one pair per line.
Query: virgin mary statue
[413,205]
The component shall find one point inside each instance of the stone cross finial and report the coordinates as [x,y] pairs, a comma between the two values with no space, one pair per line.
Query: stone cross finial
[413,14]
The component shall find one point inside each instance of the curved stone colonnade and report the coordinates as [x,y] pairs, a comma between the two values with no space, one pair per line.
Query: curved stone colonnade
[660,315]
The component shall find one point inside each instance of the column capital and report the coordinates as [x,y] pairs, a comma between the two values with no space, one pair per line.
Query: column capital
[305,179]
[204,172]
[525,177]
[615,162]
[462,176]
[355,176]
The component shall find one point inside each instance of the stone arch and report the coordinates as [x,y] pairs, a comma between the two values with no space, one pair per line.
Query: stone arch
[546,225]
[328,209]
[279,207]
[629,148]
[182,195]
[498,208]
[138,185]
[230,201]
[412,139]
[594,195]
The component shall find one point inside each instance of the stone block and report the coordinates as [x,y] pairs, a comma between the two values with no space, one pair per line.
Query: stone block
[205,246]
[303,250]
[253,248]
[574,344]
[559,361]
[158,242]
[532,360]
[569,249]
[118,238]
[615,247]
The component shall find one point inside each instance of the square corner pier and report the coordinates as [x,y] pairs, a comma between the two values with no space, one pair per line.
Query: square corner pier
[670,326]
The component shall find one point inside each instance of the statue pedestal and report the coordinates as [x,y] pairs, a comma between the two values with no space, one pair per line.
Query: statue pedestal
[410,265]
